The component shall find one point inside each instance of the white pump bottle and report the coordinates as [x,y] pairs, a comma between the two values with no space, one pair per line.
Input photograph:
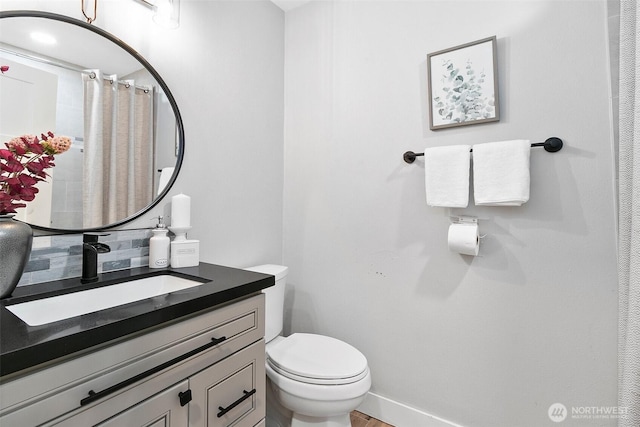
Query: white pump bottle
[159,245]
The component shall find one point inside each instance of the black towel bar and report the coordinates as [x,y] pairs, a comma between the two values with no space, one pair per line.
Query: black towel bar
[551,145]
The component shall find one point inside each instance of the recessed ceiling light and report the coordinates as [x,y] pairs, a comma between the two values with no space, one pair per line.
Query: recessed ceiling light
[43,38]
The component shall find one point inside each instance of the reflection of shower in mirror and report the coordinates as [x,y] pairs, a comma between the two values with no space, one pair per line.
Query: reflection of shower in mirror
[61,65]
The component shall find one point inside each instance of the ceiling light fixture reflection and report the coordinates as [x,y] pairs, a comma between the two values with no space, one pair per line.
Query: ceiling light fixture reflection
[43,38]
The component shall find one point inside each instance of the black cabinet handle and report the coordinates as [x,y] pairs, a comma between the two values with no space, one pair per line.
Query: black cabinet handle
[185,397]
[93,396]
[246,395]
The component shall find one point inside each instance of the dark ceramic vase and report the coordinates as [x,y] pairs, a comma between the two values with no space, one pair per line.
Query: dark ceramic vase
[16,238]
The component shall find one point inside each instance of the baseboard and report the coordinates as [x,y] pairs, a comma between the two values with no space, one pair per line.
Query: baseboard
[398,414]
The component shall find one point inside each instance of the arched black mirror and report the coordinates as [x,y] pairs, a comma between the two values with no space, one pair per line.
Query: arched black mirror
[126,131]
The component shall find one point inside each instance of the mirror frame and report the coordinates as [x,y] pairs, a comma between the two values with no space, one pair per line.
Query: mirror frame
[155,75]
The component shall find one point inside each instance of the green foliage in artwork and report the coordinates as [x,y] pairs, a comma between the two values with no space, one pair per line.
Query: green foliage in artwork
[463,98]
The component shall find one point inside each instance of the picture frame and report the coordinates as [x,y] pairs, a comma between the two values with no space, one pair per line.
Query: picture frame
[463,85]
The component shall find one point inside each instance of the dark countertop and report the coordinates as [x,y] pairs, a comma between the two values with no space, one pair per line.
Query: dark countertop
[23,347]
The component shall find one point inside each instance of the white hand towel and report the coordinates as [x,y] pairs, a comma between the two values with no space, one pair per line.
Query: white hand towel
[447,176]
[501,173]
[165,176]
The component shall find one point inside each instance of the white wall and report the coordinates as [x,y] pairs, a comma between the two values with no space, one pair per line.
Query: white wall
[226,73]
[488,341]
[224,65]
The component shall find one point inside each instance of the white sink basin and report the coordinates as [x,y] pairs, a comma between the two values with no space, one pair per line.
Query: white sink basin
[52,309]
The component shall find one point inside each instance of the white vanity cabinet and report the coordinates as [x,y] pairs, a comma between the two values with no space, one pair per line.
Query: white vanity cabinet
[207,370]
[219,396]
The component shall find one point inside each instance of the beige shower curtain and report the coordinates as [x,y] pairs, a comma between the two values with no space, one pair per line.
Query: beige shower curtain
[118,149]
[629,217]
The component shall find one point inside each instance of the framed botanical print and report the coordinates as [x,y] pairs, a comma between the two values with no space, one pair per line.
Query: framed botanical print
[463,85]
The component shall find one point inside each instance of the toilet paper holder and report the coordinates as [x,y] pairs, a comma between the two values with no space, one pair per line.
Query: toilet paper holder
[463,219]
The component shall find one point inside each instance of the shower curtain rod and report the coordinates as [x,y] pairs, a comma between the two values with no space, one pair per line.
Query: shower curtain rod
[551,145]
[25,55]
[146,89]
[59,64]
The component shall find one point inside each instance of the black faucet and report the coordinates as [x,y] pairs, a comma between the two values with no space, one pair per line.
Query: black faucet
[90,250]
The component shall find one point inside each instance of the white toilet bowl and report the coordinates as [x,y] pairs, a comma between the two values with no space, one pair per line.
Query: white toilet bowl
[312,380]
[315,380]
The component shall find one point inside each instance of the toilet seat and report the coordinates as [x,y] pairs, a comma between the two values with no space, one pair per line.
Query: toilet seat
[317,359]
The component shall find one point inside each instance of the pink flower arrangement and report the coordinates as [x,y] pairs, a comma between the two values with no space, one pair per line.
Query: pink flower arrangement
[22,166]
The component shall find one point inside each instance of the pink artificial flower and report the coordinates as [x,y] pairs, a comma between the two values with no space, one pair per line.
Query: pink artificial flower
[59,144]
[23,164]
[18,143]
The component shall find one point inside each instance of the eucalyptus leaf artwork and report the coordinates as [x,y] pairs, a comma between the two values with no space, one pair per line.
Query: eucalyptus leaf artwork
[463,85]
[465,98]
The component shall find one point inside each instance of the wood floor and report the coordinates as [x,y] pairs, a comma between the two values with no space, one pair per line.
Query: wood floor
[358,419]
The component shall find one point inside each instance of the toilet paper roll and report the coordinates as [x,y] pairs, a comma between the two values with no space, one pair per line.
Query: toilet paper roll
[464,239]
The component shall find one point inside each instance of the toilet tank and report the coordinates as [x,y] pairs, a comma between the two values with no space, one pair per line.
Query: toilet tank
[274,299]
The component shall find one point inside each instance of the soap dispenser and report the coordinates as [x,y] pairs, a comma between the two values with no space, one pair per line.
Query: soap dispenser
[159,245]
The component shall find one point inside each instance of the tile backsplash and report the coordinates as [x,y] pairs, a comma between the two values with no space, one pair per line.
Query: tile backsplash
[60,257]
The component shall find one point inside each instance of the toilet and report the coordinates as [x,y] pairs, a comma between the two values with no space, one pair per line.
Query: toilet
[312,380]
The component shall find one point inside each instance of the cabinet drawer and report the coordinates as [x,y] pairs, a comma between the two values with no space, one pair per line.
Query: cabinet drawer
[230,392]
[57,391]
[161,410]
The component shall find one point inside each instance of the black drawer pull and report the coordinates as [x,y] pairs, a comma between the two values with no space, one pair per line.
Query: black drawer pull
[185,397]
[247,394]
[93,396]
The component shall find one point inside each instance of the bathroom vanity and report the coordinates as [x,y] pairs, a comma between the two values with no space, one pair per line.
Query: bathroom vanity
[192,357]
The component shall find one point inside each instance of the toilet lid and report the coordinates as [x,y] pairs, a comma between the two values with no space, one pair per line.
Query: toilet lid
[317,359]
